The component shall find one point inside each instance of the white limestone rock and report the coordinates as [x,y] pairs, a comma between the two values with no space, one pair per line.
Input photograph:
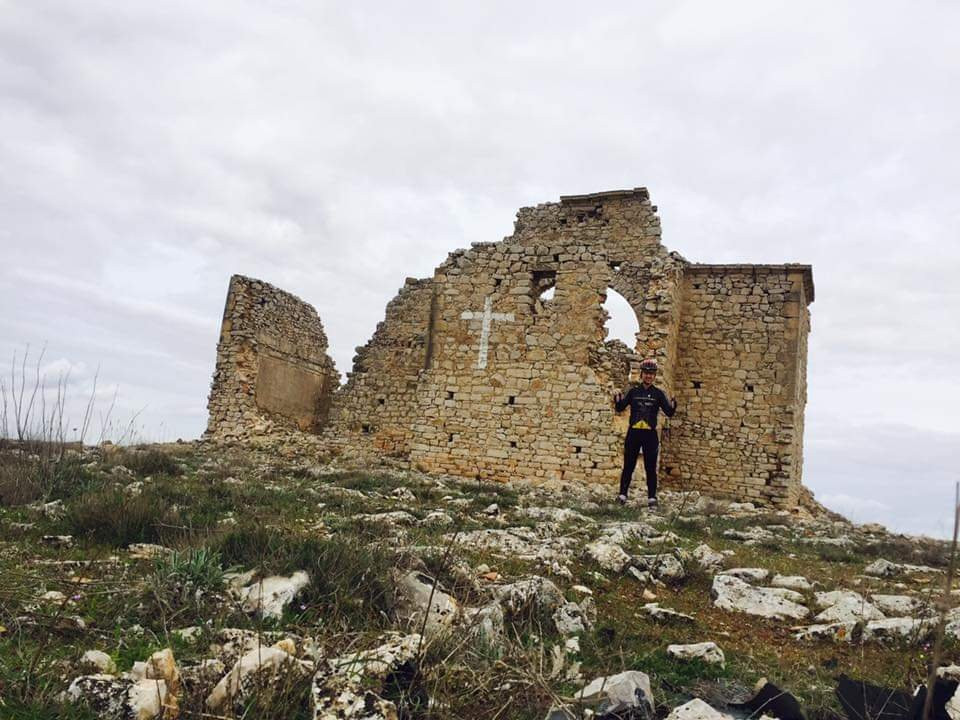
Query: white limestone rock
[838,632]
[397,517]
[257,667]
[437,518]
[558,515]
[731,593]
[270,596]
[708,558]
[791,582]
[621,533]
[887,569]
[696,709]
[665,614]
[912,630]
[119,698]
[346,688]
[485,625]
[707,652]
[97,662]
[848,608]
[748,575]
[609,556]
[830,598]
[570,619]
[419,596]
[663,566]
[896,605]
[626,694]
[536,593]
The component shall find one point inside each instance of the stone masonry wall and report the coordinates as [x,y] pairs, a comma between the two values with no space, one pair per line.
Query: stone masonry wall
[272,368]
[477,372]
[535,403]
[740,382]
[377,403]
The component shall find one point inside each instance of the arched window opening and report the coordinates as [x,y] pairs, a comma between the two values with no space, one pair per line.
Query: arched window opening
[621,323]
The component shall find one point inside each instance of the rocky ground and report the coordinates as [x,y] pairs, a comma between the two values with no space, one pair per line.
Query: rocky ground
[193,581]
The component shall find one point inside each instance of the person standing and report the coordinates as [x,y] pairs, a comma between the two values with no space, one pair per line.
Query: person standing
[646,401]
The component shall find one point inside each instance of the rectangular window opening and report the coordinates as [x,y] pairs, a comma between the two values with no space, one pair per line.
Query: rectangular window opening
[749,388]
[365,429]
[450,438]
[513,443]
[697,384]
[381,401]
[512,400]
[577,449]
[450,394]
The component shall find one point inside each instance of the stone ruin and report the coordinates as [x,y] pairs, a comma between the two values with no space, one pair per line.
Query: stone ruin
[479,371]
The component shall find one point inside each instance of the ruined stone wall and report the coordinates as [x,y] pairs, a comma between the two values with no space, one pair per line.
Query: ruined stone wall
[476,372]
[533,401]
[378,401]
[740,372]
[272,368]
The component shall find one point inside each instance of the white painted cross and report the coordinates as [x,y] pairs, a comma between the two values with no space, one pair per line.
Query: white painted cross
[486,317]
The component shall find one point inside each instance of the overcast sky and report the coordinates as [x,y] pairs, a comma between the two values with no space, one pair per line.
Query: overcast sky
[150,150]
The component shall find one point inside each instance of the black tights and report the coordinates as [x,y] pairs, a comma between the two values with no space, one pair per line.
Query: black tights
[649,443]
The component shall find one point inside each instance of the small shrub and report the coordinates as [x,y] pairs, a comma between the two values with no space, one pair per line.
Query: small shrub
[25,479]
[350,583]
[19,481]
[111,517]
[150,461]
[183,573]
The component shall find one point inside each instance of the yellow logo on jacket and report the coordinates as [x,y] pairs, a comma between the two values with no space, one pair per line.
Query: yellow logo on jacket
[641,425]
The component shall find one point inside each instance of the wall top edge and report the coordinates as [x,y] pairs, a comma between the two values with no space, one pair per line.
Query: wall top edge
[806,270]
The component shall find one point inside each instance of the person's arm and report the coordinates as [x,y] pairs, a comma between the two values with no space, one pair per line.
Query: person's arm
[621,400]
[669,407]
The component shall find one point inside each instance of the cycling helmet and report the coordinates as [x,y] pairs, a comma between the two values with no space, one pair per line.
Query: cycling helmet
[648,365]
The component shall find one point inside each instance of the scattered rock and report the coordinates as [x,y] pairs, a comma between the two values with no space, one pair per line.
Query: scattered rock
[569,619]
[707,557]
[665,614]
[622,695]
[397,517]
[896,605]
[696,709]
[849,607]
[350,686]
[707,652]
[259,667]
[731,593]
[270,596]
[608,555]
[420,595]
[97,662]
[791,582]
[58,541]
[147,551]
[749,575]
[536,594]
[886,569]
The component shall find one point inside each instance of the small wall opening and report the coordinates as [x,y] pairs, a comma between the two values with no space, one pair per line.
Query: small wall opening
[621,320]
[543,284]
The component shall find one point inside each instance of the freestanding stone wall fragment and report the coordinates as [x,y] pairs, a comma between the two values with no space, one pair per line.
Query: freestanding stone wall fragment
[478,371]
[272,367]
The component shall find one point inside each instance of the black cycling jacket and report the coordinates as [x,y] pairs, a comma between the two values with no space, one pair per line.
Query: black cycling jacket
[644,404]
